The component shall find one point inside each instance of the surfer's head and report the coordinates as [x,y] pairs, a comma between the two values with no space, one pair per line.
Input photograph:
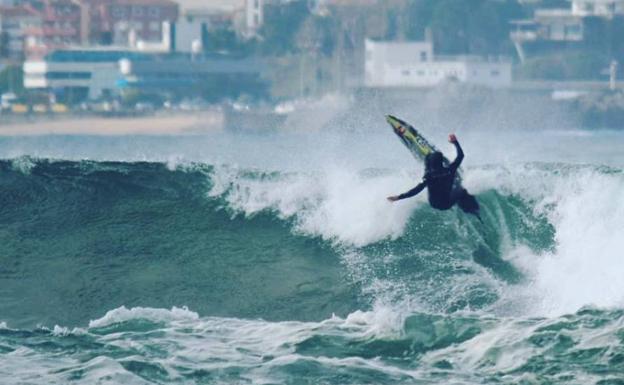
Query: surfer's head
[433,161]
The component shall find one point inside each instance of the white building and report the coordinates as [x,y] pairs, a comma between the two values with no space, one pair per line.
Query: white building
[254,16]
[94,71]
[604,8]
[187,36]
[562,25]
[412,64]
[247,16]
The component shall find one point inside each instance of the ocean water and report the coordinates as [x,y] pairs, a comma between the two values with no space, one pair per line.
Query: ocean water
[250,259]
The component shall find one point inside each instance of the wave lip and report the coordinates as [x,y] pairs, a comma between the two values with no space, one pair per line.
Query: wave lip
[337,205]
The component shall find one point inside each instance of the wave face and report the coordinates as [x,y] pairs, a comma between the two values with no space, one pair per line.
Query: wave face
[152,272]
[80,238]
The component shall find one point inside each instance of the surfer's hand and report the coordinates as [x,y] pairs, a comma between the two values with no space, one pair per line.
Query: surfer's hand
[452,138]
[393,198]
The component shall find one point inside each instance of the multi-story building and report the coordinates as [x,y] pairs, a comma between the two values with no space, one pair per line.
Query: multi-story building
[60,27]
[254,16]
[562,26]
[245,16]
[96,72]
[91,72]
[182,73]
[603,8]
[123,22]
[412,64]
[14,21]
[48,25]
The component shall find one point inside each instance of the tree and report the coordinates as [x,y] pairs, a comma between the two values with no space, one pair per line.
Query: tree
[418,15]
[4,44]
[224,40]
[463,27]
[281,23]
[12,79]
[318,34]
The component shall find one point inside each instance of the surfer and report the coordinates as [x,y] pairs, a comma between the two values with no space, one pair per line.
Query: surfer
[440,183]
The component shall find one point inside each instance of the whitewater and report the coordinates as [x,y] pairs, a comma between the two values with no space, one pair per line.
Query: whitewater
[231,258]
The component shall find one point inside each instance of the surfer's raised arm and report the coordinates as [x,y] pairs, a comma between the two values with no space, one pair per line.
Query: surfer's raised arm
[421,186]
[460,153]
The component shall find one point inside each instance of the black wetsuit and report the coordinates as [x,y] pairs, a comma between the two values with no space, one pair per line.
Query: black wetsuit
[440,183]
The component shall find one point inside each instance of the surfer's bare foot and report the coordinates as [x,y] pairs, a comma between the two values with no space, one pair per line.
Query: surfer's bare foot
[392,198]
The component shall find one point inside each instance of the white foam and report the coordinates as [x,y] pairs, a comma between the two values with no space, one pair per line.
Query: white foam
[585,206]
[588,264]
[23,164]
[337,204]
[123,314]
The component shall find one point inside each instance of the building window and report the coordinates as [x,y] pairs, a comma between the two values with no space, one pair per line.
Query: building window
[572,30]
[67,75]
[495,72]
[405,73]
[119,12]
[154,12]
[423,56]
[137,11]
[421,73]
[154,26]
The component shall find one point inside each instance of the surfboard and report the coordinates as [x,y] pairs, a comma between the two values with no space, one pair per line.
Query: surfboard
[418,146]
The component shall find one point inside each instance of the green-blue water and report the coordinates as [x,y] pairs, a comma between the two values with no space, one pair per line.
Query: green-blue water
[226,270]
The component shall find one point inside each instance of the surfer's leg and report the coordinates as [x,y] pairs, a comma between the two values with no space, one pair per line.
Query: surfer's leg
[468,203]
[457,193]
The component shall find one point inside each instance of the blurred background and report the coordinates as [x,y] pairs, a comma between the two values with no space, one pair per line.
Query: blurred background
[243,61]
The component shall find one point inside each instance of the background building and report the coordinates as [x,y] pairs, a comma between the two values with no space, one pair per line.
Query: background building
[603,8]
[124,22]
[91,73]
[552,29]
[412,64]
[59,27]
[245,16]
[80,74]
[14,22]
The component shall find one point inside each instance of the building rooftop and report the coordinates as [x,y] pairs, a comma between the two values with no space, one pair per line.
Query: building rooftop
[211,5]
[554,12]
[148,2]
[92,55]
